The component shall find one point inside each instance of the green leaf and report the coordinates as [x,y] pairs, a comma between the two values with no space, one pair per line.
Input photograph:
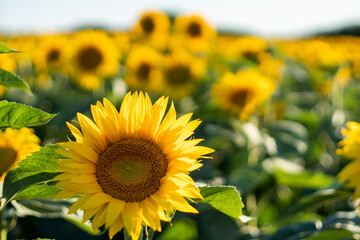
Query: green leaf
[6,49]
[226,199]
[38,168]
[332,234]
[321,198]
[38,192]
[9,79]
[303,179]
[16,115]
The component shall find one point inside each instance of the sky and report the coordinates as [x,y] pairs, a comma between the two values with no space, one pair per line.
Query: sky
[266,18]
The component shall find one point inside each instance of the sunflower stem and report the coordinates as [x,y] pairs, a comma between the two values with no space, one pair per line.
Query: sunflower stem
[3,228]
[126,235]
[150,234]
[141,234]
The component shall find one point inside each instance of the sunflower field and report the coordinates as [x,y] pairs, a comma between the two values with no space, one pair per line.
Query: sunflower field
[173,130]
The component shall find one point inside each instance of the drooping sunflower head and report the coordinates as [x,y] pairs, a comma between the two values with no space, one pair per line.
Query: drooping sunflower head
[131,165]
[143,67]
[52,53]
[152,28]
[243,92]
[16,145]
[194,32]
[351,149]
[182,72]
[94,53]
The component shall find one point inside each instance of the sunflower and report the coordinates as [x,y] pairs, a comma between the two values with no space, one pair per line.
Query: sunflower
[243,92]
[246,47]
[22,43]
[15,145]
[343,76]
[94,54]
[122,42]
[270,66]
[194,32]
[315,52]
[351,149]
[152,29]
[143,67]
[7,62]
[88,81]
[181,73]
[132,165]
[51,53]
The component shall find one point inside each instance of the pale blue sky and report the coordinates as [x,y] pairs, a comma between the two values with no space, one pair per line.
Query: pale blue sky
[270,18]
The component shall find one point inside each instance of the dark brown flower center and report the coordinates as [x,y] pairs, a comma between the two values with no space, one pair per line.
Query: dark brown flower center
[194,29]
[131,169]
[53,56]
[89,58]
[143,72]
[240,97]
[178,75]
[147,25]
[8,157]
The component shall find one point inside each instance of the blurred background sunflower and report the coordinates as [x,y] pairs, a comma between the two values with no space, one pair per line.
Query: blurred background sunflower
[94,57]
[16,145]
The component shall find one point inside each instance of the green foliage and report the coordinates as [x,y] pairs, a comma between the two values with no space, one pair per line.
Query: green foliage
[303,179]
[8,79]
[226,199]
[44,191]
[332,234]
[340,225]
[16,115]
[180,230]
[320,198]
[6,49]
[39,168]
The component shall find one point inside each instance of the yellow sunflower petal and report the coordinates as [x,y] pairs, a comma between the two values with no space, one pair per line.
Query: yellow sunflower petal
[75,132]
[92,133]
[132,220]
[78,203]
[89,213]
[116,207]
[100,218]
[81,149]
[96,200]
[116,227]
